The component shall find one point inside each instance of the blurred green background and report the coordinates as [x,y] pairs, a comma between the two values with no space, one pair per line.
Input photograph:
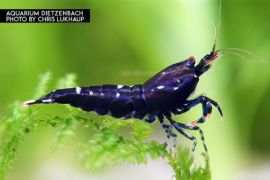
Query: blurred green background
[127,42]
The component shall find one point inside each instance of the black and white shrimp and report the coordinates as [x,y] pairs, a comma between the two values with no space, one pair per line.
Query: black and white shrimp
[164,94]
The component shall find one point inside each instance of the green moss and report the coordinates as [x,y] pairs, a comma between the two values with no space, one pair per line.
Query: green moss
[108,146]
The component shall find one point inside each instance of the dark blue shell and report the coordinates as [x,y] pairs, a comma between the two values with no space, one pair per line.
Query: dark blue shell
[165,93]
[171,87]
[167,90]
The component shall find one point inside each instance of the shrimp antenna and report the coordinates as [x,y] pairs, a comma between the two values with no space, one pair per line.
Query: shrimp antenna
[244,54]
[215,38]
[216,28]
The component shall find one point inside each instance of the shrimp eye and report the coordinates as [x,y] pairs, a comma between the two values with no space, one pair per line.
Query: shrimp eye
[190,61]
